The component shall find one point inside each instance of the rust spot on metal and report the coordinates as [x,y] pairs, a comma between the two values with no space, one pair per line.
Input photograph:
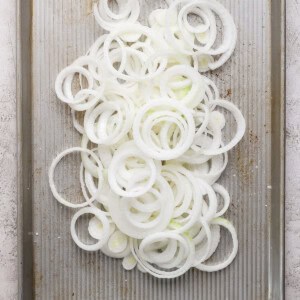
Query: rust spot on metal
[228,93]
[38,171]
[253,137]
[38,278]
[89,6]
[244,165]
[125,292]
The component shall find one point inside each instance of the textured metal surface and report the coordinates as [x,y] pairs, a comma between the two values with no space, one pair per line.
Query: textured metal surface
[61,31]
[25,154]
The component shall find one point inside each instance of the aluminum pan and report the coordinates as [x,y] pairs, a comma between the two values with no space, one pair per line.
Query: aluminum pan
[54,33]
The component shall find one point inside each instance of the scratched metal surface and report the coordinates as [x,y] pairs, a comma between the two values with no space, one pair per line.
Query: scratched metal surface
[63,30]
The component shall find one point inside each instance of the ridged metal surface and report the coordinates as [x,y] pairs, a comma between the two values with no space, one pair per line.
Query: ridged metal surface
[63,30]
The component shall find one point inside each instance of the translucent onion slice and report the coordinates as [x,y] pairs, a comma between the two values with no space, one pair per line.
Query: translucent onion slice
[213,268]
[122,174]
[105,231]
[53,188]
[161,112]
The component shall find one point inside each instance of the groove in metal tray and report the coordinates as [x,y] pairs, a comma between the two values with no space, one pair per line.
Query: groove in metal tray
[51,35]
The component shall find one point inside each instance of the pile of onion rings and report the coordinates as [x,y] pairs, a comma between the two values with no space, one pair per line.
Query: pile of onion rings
[153,144]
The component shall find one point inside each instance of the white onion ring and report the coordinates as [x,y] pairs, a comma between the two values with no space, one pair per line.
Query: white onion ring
[98,214]
[119,158]
[54,163]
[141,135]
[228,261]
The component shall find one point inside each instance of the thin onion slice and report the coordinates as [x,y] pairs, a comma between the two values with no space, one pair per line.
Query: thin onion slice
[53,188]
[102,217]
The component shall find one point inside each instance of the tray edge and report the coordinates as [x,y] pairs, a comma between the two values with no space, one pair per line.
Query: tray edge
[24,149]
[278,87]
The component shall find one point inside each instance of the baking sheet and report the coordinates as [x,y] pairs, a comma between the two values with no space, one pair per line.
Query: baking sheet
[51,35]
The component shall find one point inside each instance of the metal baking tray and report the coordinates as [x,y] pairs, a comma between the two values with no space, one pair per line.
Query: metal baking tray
[51,34]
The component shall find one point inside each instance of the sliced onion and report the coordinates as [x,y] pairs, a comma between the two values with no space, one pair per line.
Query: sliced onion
[213,268]
[55,162]
[164,110]
[101,217]
[152,139]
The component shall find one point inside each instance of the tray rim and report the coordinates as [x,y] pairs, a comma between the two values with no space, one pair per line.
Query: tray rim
[24,83]
[24,15]
[278,143]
